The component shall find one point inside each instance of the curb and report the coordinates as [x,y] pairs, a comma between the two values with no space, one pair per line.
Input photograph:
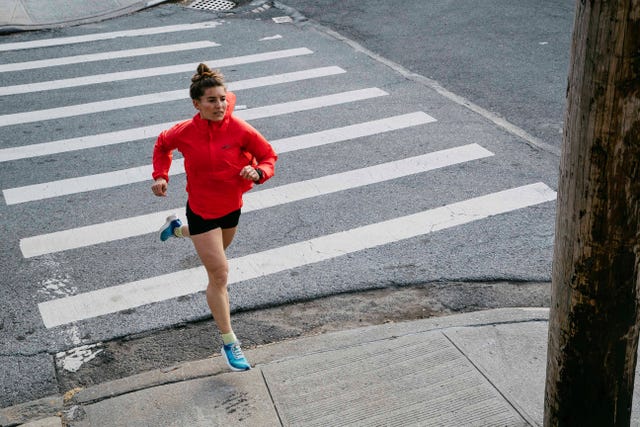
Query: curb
[50,408]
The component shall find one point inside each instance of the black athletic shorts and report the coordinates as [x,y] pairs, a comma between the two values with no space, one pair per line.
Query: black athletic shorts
[199,225]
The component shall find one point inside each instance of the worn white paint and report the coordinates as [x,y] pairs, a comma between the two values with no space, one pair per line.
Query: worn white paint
[276,37]
[72,360]
[57,286]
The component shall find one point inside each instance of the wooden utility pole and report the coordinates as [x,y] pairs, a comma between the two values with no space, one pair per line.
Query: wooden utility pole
[593,322]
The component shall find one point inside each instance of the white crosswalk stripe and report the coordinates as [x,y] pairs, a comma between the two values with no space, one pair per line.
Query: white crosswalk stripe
[143,224]
[136,134]
[128,53]
[82,142]
[134,294]
[149,72]
[106,36]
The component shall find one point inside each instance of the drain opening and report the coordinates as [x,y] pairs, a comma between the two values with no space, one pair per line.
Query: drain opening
[212,5]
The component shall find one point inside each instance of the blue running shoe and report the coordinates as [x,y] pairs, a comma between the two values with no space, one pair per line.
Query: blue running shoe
[235,359]
[169,227]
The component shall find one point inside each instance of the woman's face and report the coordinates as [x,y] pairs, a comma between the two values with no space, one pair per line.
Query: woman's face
[213,104]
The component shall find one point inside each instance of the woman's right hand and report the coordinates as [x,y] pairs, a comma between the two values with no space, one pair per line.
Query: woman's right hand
[159,187]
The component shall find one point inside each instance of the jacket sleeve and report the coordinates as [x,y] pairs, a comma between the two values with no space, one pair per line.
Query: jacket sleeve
[264,155]
[162,156]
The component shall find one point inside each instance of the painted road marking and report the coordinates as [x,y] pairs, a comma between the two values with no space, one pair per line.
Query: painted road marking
[82,142]
[106,36]
[142,173]
[158,98]
[152,131]
[144,224]
[149,72]
[102,56]
[311,103]
[161,288]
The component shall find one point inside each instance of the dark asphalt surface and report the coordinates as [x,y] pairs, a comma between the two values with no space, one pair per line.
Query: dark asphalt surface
[510,57]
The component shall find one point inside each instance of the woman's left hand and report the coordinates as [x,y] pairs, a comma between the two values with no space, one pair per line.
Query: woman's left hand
[248,172]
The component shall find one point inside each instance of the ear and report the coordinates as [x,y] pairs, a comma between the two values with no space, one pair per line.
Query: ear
[196,104]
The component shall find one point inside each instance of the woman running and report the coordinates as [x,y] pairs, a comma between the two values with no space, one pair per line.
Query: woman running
[223,157]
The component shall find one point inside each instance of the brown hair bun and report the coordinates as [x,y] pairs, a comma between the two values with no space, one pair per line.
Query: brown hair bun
[204,78]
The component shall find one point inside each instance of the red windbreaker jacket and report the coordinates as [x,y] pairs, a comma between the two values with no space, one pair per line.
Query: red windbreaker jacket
[214,153]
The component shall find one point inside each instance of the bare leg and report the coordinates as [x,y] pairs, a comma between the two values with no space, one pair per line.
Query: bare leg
[210,247]
[227,234]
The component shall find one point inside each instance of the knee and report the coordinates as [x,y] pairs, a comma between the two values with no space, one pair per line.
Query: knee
[218,276]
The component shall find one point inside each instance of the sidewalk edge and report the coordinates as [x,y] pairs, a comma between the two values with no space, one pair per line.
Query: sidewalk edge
[270,353]
[298,347]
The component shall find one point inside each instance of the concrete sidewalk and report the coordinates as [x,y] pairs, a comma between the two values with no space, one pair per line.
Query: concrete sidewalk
[484,368]
[24,15]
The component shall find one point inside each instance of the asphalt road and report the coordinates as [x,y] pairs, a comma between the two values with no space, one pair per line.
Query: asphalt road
[502,257]
[509,57]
